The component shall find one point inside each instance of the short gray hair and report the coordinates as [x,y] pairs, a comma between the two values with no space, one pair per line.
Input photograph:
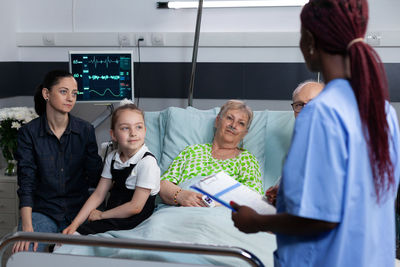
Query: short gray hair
[236,104]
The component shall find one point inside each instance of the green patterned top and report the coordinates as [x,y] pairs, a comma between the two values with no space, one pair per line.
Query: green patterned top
[196,160]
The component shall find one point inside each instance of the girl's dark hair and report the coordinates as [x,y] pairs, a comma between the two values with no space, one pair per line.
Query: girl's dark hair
[51,79]
[118,110]
[334,25]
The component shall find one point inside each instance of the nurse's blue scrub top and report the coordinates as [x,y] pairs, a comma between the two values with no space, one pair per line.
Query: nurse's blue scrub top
[327,176]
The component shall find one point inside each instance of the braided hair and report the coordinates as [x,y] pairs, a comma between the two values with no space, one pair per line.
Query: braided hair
[338,27]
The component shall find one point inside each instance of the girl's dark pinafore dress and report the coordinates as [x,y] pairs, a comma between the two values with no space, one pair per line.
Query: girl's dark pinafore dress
[119,195]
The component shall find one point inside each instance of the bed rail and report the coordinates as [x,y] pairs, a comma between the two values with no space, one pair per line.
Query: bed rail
[129,244]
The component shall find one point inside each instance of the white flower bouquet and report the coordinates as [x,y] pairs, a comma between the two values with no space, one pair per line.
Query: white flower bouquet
[11,119]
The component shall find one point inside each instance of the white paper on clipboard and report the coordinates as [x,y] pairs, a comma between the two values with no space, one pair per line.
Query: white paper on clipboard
[224,189]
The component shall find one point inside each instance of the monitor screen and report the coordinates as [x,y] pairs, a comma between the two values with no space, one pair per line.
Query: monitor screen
[102,76]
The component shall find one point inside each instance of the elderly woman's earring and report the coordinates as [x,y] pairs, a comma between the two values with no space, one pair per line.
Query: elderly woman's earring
[311,51]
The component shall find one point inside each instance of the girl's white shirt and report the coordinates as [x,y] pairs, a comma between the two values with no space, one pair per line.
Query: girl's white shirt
[145,174]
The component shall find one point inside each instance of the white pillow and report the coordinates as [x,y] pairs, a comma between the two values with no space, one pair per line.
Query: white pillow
[255,139]
[186,127]
[278,138]
[155,130]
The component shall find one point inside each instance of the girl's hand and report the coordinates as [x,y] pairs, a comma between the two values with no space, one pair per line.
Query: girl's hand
[24,245]
[95,215]
[189,198]
[70,230]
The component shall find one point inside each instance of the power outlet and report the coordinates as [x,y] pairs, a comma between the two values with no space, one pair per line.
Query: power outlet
[140,36]
[124,39]
[373,38]
[157,39]
[48,39]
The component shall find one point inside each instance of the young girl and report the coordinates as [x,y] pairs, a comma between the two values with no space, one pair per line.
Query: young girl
[132,174]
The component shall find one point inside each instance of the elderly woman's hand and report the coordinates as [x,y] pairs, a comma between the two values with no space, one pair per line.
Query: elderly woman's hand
[189,198]
[271,194]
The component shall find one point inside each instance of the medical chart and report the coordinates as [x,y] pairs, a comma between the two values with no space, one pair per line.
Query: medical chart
[223,188]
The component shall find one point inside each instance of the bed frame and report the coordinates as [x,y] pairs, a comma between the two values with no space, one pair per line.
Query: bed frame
[60,260]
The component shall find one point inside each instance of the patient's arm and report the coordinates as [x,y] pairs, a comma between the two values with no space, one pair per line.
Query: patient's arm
[169,192]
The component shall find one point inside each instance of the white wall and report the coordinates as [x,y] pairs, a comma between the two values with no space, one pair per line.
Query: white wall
[141,16]
[8,28]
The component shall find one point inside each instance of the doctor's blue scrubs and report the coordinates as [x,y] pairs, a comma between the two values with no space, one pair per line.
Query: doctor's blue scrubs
[327,176]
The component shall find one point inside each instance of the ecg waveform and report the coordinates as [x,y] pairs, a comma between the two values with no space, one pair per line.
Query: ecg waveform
[104,77]
[102,94]
[95,61]
[100,77]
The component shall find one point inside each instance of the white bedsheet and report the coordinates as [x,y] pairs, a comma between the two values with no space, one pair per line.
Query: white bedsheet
[187,224]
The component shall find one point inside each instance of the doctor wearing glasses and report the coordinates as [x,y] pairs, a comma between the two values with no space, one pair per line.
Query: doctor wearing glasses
[57,160]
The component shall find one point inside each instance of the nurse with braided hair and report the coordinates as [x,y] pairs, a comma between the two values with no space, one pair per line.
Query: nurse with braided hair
[335,205]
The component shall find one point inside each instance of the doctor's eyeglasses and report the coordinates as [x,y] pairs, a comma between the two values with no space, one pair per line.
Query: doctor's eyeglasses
[298,106]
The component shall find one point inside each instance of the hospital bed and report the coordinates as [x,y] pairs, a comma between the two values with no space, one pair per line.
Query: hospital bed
[47,259]
[187,235]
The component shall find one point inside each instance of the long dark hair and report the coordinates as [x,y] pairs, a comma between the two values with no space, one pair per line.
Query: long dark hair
[338,27]
[51,79]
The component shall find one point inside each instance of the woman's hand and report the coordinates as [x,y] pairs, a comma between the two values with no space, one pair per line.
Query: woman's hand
[271,194]
[172,194]
[95,215]
[27,226]
[24,245]
[245,218]
[189,198]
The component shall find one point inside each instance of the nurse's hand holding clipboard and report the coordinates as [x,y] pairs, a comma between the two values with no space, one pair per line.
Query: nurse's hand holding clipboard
[245,218]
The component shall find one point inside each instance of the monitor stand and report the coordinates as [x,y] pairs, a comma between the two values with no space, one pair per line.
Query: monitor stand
[104,115]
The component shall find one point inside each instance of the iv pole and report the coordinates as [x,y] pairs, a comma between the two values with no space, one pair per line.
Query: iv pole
[195,49]
[103,116]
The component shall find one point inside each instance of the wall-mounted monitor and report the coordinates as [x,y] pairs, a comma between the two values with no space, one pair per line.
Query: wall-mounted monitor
[102,76]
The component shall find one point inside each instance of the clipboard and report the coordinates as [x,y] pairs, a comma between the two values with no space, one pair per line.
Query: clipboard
[213,197]
[223,188]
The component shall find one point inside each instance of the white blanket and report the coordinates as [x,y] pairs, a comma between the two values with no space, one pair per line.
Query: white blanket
[191,225]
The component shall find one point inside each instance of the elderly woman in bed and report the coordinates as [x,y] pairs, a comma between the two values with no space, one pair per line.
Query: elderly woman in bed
[224,154]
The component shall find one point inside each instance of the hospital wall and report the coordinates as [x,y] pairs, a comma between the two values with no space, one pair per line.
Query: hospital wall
[248,53]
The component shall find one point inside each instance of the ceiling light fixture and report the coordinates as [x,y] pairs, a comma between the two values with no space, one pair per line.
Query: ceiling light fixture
[220,4]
